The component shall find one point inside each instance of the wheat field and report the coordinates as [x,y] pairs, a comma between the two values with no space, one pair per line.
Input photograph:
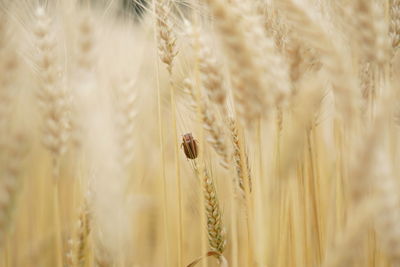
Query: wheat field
[189,133]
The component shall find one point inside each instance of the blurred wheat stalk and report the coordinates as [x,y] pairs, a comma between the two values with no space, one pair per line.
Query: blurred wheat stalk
[294,110]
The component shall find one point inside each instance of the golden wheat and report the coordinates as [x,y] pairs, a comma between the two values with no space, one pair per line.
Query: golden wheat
[292,107]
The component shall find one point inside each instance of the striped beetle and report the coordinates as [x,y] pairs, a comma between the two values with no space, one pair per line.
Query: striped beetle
[189,146]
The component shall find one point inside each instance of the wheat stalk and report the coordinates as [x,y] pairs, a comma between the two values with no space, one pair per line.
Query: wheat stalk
[388,214]
[349,243]
[362,169]
[167,51]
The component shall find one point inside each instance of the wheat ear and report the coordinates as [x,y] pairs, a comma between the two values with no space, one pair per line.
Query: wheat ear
[84,71]
[212,78]
[308,27]
[275,27]
[240,163]
[394,29]
[251,75]
[11,156]
[273,68]
[8,68]
[166,37]
[210,124]
[247,85]
[125,115]
[215,227]
[370,32]
[367,83]
[52,96]
[78,246]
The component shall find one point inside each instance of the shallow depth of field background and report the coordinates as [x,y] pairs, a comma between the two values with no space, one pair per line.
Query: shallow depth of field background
[294,106]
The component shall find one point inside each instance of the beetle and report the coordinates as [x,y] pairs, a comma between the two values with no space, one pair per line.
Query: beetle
[189,145]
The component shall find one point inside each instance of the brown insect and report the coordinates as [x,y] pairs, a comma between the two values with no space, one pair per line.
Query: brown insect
[189,146]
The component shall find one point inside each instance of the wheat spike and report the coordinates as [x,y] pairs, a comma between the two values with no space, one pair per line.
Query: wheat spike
[273,69]
[313,30]
[211,124]
[370,32]
[166,37]
[240,163]
[78,246]
[85,70]
[125,116]
[394,29]
[247,85]
[212,78]
[11,156]
[257,68]
[53,97]
[348,244]
[215,227]
[9,62]
[86,43]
